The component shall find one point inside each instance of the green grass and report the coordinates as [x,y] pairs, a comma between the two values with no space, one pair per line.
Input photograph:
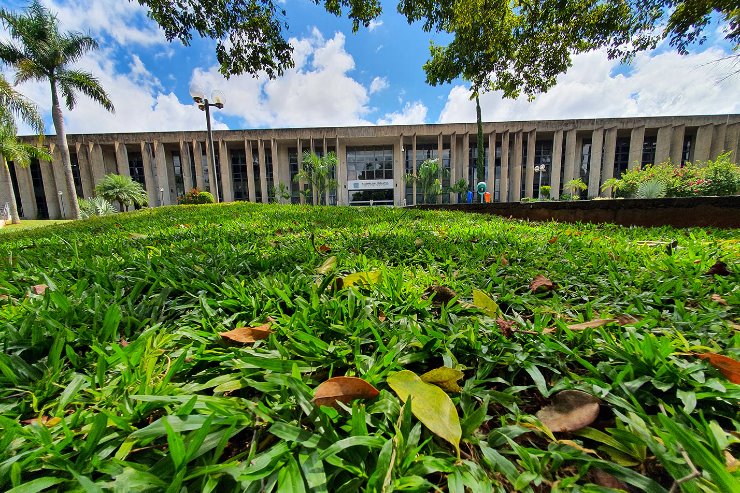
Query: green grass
[123,359]
[30,224]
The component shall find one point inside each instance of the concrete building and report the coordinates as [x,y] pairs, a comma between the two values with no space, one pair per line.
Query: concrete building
[373,161]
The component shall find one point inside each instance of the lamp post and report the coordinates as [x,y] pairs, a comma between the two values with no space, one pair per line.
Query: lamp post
[540,169]
[217,98]
[61,203]
[161,197]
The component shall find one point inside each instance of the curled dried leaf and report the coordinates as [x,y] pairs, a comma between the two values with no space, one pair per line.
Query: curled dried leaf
[503,261]
[592,324]
[324,249]
[328,265]
[540,284]
[440,295]
[43,420]
[506,327]
[445,378]
[729,367]
[343,389]
[552,240]
[247,335]
[603,478]
[39,289]
[570,410]
[718,299]
[718,269]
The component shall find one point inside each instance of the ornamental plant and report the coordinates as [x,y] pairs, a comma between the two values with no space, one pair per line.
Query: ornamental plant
[195,196]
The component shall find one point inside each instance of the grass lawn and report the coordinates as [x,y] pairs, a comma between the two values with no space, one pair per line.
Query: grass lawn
[117,377]
[30,224]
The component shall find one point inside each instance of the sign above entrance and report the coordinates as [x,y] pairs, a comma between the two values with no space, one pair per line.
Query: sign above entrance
[369,184]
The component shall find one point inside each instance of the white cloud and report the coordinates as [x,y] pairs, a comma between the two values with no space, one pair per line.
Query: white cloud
[662,84]
[378,84]
[123,21]
[318,91]
[374,25]
[412,113]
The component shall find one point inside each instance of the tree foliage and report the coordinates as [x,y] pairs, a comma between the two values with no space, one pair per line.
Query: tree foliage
[318,171]
[121,189]
[250,34]
[14,105]
[428,178]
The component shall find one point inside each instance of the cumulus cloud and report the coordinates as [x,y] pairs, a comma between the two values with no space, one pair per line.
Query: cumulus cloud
[374,25]
[378,84]
[318,91]
[412,113]
[655,85]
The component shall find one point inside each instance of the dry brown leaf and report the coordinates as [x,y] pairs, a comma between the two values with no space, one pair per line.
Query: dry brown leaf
[247,335]
[570,410]
[418,242]
[718,299]
[718,269]
[441,295]
[44,420]
[506,327]
[599,322]
[382,317]
[603,478]
[552,240]
[343,389]
[541,283]
[124,343]
[732,463]
[578,446]
[727,366]
[504,262]
[324,249]
[39,289]
[627,320]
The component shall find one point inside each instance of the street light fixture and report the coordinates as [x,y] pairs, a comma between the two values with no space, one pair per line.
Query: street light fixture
[540,169]
[61,202]
[217,100]
[161,197]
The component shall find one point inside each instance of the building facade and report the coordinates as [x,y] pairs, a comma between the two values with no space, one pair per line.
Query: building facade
[373,161]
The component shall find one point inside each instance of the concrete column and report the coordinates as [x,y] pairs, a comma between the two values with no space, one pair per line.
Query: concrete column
[314,195]
[491,181]
[212,183]
[731,141]
[453,165]
[50,190]
[570,170]
[637,139]
[57,169]
[150,185]
[516,168]
[227,182]
[85,170]
[663,144]
[301,183]
[529,173]
[413,169]
[463,173]
[187,170]
[276,166]
[718,141]
[163,181]
[399,189]
[557,158]
[703,142]
[95,153]
[594,166]
[198,157]
[121,159]
[263,170]
[251,189]
[440,157]
[504,180]
[342,191]
[27,198]
[679,132]
[7,194]
[610,149]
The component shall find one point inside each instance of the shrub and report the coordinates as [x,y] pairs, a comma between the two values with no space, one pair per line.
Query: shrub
[721,176]
[545,191]
[653,189]
[196,196]
[97,206]
[121,189]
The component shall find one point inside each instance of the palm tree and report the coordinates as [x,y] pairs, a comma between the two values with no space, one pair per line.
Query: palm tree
[13,104]
[317,170]
[44,53]
[427,178]
[121,189]
[21,154]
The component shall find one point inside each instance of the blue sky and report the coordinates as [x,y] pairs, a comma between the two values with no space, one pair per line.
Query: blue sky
[371,77]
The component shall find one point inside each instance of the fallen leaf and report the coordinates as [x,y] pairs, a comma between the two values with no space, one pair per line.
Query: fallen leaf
[39,289]
[729,367]
[541,283]
[137,236]
[732,463]
[246,335]
[440,295]
[577,446]
[4,297]
[504,262]
[484,302]
[599,322]
[343,389]
[506,327]
[382,317]
[445,378]
[358,278]
[570,410]
[627,320]
[124,343]
[718,299]
[552,240]
[430,404]
[43,420]
[328,265]
[418,242]
[718,269]
[324,249]
[603,478]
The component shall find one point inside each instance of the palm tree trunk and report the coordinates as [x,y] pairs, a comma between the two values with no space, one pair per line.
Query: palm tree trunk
[56,114]
[14,217]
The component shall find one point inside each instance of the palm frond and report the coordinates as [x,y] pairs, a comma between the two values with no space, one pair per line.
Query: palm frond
[13,103]
[88,85]
[68,94]
[10,53]
[74,45]
[18,152]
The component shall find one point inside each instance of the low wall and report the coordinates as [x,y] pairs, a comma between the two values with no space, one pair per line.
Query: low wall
[717,212]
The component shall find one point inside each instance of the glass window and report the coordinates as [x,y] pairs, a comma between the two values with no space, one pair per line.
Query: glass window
[648,150]
[16,190]
[136,167]
[42,211]
[542,157]
[585,159]
[177,171]
[621,156]
[239,174]
[76,174]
